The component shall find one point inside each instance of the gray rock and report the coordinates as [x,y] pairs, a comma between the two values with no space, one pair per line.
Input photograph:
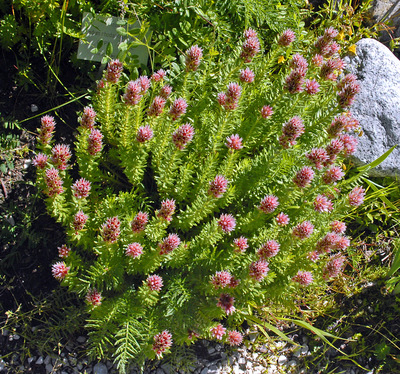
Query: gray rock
[282,359]
[39,361]
[100,368]
[49,368]
[47,360]
[377,106]
[204,371]
[81,339]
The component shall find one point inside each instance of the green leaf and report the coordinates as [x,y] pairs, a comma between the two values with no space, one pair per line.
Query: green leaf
[109,49]
[396,261]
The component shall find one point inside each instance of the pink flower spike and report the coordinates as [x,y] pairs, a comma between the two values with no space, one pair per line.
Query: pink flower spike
[356,196]
[88,118]
[322,204]
[144,83]
[154,282]
[342,243]
[158,76]
[63,251]
[60,270]
[338,227]
[234,142]
[287,38]
[221,279]
[266,111]
[218,186]
[133,93]
[167,209]
[40,161]
[250,33]
[162,342]
[183,135]
[318,156]
[234,338]
[60,155]
[317,60]
[311,86]
[95,142]
[134,250]
[114,71]
[156,106]
[171,242]
[139,222]
[250,48]
[110,230]
[165,92]
[227,223]
[258,270]
[222,99]
[304,177]
[332,175]
[268,204]
[193,56]
[333,267]
[269,249]
[225,302]
[144,134]
[282,219]
[246,76]
[304,278]
[178,108]
[81,188]
[218,331]
[53,182]
[303,230]
[240,244]
[93,297]
[79,221]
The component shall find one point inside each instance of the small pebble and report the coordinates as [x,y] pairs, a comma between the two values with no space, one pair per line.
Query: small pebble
[47,360]
[34,108]
[100,368]
[81,339]
[49,368]
[282,359]
[204,371]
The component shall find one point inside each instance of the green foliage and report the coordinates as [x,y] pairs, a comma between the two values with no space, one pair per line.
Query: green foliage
[150,164]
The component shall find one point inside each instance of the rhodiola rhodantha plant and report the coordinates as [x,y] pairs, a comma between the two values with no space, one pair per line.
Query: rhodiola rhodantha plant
[203,192]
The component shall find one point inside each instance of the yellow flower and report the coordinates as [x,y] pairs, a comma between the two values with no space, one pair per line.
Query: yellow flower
[353,49]
[281,59]
[341,35]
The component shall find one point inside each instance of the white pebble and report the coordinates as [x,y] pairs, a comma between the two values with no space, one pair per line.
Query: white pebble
[39,361]
[49,368]
[81,339]
[282,359]
[100,368]
[34,108]
[47,360]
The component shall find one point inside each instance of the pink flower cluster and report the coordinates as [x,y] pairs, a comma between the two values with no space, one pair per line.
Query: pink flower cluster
[139,223]
[114,71]
[95,142]
[158,76]
[304,278]
[348,88]
[291,130]
[325,45]
[258,270]
[60,155]
[79,221]
[332,241]
[167,209]
[40,161]
[193,56]
[171,242]
[268,204]
[144,134]
[110,230]
[225,302]
[246,76]
[93,297]
[251,45]
[81,188]
[53,182]
[282,219]
[165,92]
[269,249]
[183,135]
[218,186]
[332,175]
[218,331]
[234,338]
[134,250]
[46,130]
[287,38]
[303,177]
[234,142]
[227,223]
[356,196]
[221,279]
[60,270]
[88,118]
[135,90]
[333,267]
[162,342]
[156,106]
[311,86]
[318,156]
[230,99]
[331,68]
[266,111]
[178,108]
[322,204]
[63,251]
[240,244]
[154,282]
[303,230]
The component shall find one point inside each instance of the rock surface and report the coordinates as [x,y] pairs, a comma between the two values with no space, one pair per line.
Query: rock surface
[377,106]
